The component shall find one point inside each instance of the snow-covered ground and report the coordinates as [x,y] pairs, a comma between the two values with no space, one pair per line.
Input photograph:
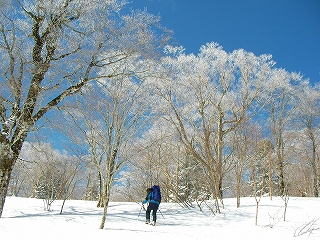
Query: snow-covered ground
[25,218]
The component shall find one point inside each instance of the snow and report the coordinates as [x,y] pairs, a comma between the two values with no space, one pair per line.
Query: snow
[25,218]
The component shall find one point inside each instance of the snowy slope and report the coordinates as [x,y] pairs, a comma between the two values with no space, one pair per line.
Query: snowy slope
[25,218]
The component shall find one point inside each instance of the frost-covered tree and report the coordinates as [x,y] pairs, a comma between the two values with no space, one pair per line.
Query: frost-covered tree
[280,110]
[106,120]
[308,115]
[48,173]
[208,96]
[158,160]
[49,186]
[243,141]
[50,49]
[193,183]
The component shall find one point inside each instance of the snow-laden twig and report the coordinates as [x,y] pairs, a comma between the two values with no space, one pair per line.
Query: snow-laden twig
[274,219]
[307,228]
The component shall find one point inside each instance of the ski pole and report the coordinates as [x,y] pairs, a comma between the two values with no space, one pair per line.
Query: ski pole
[161,213]
[139,213]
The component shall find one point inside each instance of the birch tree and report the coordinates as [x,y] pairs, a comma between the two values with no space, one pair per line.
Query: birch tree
[50,50]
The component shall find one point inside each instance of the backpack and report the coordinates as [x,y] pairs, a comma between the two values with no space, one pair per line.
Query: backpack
[156,193]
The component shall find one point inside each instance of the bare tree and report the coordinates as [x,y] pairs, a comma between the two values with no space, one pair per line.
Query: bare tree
[208,96]
[50,50]
[47,173]
[159,160]
[260,171]
[20,180]
[107,120]
[299,175]
[243,141]
[280,108]
[308,114]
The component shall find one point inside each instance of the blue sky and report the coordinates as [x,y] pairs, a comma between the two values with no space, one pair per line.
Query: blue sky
[287,29]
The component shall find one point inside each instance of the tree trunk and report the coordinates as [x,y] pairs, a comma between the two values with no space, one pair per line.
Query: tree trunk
[220,145]
[110,170]
[281,178]
[101,194]
[280,165]
[315,169]
[8,158]
[176,194]
[215,190]
[270,175]
[257,211]
[5,175]
[106,196]
[238,186]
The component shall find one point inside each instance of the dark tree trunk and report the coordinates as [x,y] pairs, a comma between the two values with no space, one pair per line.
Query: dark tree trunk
[5,175]
[8,157]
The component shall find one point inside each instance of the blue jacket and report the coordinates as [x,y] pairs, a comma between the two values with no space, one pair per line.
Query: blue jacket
[149,198]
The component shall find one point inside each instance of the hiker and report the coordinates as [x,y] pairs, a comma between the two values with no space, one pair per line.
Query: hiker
[153,205]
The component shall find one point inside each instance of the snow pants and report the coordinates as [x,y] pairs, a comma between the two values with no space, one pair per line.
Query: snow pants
[154,208]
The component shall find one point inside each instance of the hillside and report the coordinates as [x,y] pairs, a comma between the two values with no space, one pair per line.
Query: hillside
[25,218]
